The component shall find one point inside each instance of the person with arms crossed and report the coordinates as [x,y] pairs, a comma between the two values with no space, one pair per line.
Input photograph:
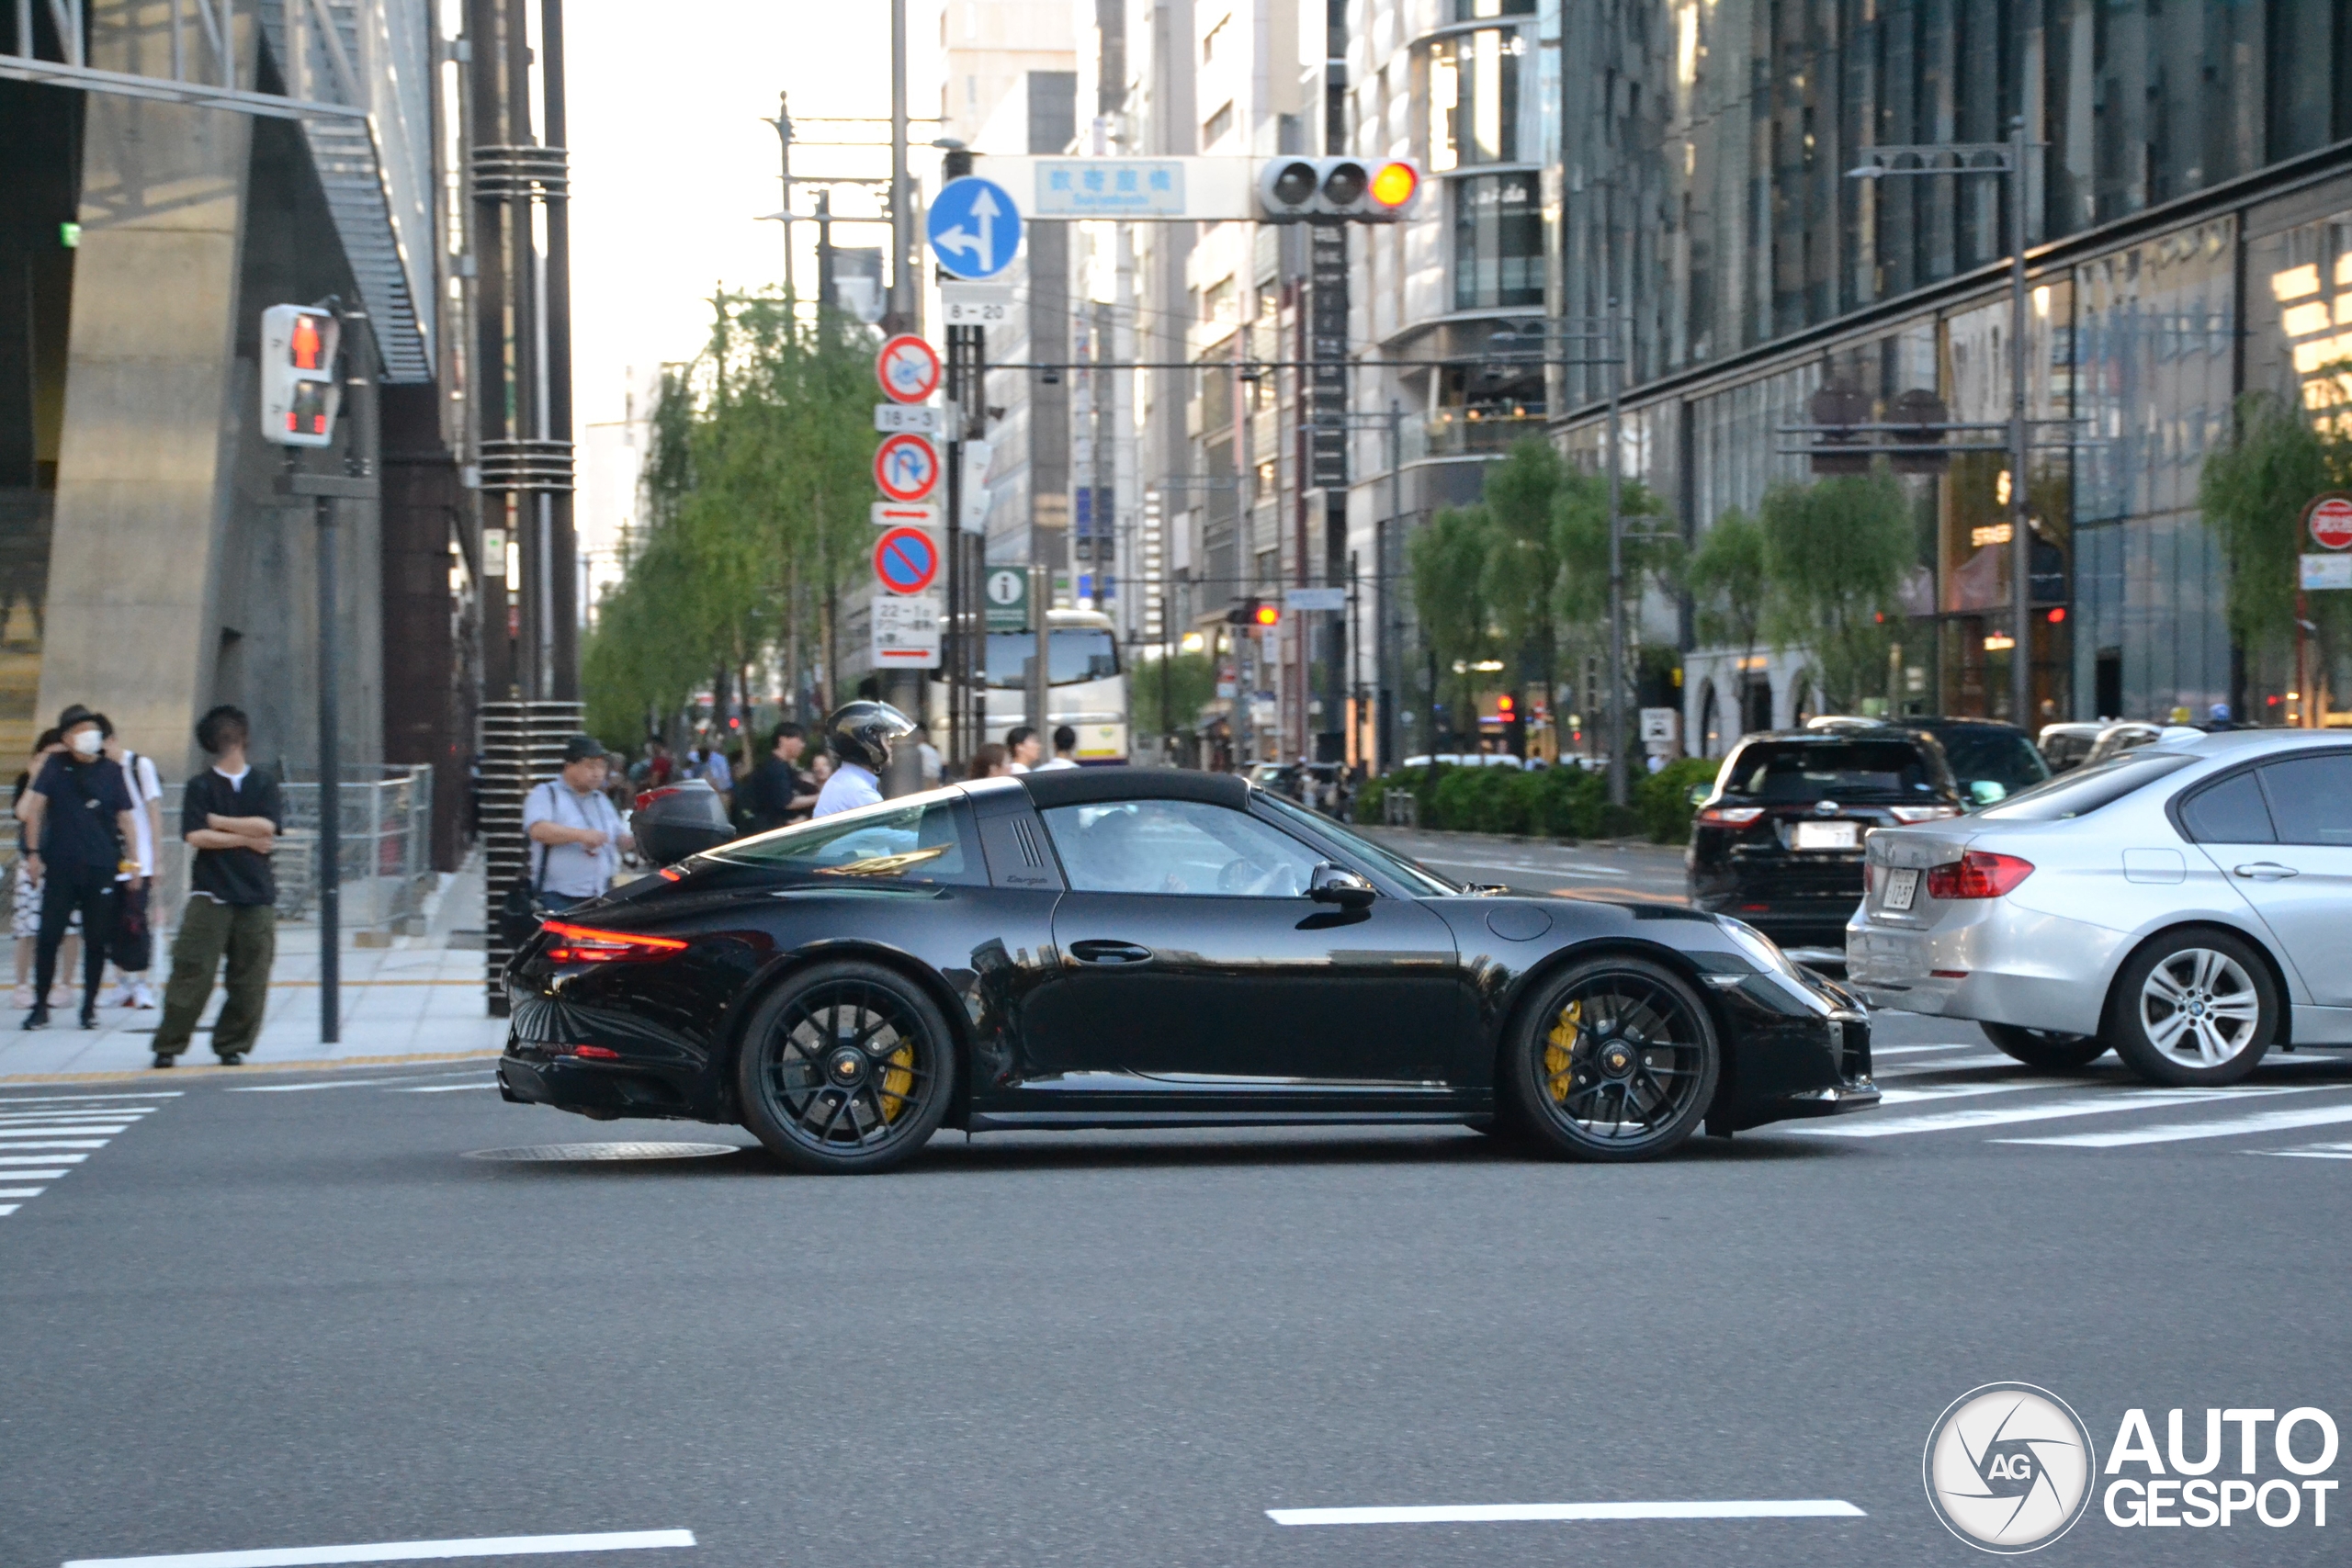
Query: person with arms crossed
[231,814]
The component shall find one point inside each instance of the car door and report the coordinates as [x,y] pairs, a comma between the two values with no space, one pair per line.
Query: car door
[2303,884]
[1189,949]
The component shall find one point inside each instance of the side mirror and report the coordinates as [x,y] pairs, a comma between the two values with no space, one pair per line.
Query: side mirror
[1699,794]
[1337,885]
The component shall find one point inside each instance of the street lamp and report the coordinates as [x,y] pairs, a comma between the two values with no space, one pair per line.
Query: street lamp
[2006,158]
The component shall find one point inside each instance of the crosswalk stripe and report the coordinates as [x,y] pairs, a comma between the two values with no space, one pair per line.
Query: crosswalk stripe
[1969,1090]
[55,1144]
[51,1118]
[2179,1132]
[42,1160]
[33,1175]
[7,1208]
[1954,1064]
[22,1191]
[62,1098]
[50,1130]
[1878,1051]
[1867,1126]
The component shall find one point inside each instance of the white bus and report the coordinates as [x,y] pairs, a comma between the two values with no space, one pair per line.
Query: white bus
[1086,688]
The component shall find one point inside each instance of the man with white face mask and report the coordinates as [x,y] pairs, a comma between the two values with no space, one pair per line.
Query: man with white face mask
[77,817]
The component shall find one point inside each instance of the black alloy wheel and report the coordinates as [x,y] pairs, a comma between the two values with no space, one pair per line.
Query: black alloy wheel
[2049,1050]
[1617,1060]
[848,1067]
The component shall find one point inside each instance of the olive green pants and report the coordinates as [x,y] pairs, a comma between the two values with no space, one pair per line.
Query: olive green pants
[246,934]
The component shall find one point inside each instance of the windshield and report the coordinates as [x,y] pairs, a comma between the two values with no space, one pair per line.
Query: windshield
[1999,757]
[1419,878]
[2086,789]
[1801,771]
[1076,654]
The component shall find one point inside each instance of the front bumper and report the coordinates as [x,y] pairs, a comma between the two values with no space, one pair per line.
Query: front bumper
[1802,1050]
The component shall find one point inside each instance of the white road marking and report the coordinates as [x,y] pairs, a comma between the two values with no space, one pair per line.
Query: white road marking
[33,1175]
[2179,1132]
[49,1129]
[330,1083]
[1496,1513]
[110,1114]
[42,1160]
[2316,1150]
[22,1191]
[442,1088]
[7,1208]
[2049,1110]
[1953,1063]
[1965,1090]
[1878,1051]
[403,1551]
[62,1098]
[54,1144]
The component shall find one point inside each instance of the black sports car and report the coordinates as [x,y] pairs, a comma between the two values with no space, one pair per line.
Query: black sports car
[1148,948]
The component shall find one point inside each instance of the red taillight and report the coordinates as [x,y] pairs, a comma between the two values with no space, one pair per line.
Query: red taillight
[590,1053]
[1730,815]
[584,944]
[1978,874]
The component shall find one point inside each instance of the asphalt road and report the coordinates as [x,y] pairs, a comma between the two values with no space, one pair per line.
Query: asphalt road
[306,1317]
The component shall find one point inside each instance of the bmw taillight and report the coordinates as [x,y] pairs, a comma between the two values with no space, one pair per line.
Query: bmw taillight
[585,944]
[1730,815]
[1978,874]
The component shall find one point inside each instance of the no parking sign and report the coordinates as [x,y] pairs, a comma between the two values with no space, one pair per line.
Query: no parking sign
[905,561]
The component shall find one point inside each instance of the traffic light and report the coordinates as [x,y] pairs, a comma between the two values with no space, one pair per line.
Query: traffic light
[299,391]
[1505,708]
[1335,190]
[1254,612]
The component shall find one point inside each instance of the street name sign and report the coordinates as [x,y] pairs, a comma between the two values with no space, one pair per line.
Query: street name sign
[907,368]
[906,630]
[1110,188]
[974,226]
[906,468]
[1315,598]
[906,560]
[915,419]
[2330,521]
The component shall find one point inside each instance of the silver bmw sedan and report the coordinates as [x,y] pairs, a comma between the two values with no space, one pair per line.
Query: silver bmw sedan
[2188,904]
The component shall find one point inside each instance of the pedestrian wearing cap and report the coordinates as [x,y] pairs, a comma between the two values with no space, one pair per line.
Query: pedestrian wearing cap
[77,822]
[575,833]
[231,814]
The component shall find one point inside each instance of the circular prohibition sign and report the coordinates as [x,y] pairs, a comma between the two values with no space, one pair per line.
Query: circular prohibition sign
[908,369]
[906,467]
[2329,518]
[905,561]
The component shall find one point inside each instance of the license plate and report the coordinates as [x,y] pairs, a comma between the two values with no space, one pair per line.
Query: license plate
[1826,836]
[1901,889]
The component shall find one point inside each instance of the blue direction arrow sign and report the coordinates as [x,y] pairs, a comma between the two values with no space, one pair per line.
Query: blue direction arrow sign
[905,561]
[974,226]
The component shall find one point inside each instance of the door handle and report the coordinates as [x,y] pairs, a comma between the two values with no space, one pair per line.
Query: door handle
[2265,871]
[1108,953]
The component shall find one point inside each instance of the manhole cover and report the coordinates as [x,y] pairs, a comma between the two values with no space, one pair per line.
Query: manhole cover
[607,1152]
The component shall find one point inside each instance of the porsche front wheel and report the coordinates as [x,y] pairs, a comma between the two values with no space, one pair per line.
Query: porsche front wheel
[847,1067]
[1617,1060]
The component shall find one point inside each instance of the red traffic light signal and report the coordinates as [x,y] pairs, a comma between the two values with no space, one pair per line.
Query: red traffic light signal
[1506,709]
[1265,614]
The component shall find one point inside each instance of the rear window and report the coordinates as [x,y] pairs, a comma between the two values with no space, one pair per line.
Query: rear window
[2086,789]
[2000,757]
[914,839]
[1804,770]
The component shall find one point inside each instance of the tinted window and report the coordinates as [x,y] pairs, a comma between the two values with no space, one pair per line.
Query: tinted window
[2084,791]
[1802,770]
[1177,846]
[2311,799]
[916,840]
[2229,812]
[1994,756]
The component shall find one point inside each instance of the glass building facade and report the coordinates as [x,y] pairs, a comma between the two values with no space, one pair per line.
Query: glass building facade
[2188,224]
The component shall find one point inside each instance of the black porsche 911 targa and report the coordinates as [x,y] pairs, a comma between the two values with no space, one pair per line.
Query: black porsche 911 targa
[1148,948]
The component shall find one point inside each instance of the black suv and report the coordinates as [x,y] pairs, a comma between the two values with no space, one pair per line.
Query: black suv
[1778,843]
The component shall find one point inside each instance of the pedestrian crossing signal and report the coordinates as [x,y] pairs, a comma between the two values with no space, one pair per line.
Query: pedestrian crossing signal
[298,392]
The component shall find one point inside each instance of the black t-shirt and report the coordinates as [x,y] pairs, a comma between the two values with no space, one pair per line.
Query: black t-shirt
[240,877]
[81,828]
[773,785]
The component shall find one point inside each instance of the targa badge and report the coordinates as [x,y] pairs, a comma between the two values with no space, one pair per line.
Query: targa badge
[2008,1467]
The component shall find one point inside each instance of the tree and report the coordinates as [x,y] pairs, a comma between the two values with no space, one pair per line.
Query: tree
[1172,690]
[1727,574]
[1835,553]
[1524,559]
[2253,492]
[1447,565]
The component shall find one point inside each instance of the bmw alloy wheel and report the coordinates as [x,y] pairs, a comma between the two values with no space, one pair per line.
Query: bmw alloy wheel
[2199,1007]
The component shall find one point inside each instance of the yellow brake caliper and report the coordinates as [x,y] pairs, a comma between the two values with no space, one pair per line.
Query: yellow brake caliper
[1559,1052]
[896,1081]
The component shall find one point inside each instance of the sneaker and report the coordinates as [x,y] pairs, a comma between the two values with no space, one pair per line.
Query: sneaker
[143,995]
[232,1058]
[124,997]
[165,1058]
[89,1018]
[36,1019]
[22,997]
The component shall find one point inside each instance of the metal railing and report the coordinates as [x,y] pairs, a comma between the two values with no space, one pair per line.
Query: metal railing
[386,854]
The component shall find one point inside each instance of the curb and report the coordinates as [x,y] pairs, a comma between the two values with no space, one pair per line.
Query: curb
[125,1075]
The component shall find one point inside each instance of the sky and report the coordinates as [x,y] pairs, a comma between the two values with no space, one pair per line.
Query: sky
[671,164]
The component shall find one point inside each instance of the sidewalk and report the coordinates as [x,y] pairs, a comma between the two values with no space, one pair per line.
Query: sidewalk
[419,999]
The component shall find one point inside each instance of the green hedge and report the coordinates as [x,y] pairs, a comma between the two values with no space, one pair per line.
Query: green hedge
[1549,803]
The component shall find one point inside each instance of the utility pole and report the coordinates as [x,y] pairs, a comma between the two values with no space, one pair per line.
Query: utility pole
[782,123]
[560,570]
[1617,784]
[2020,448]
[902,688]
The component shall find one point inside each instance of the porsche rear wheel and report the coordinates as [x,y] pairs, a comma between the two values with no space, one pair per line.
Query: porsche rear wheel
[1617,1060]
[2049,1050]
[848,1067]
